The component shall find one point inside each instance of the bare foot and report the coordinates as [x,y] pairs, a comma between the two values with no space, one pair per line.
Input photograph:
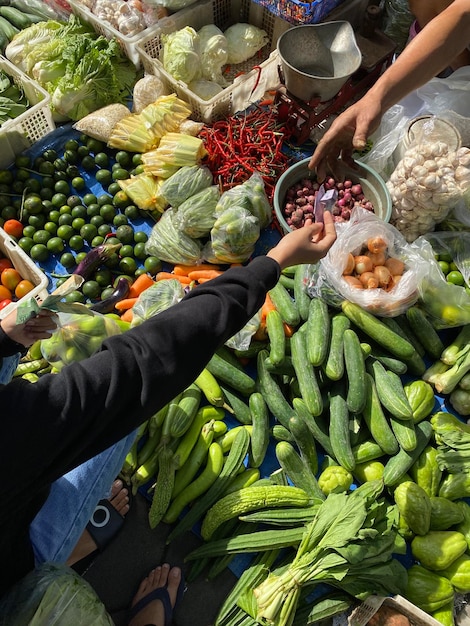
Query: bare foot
[154,612]
[120,500]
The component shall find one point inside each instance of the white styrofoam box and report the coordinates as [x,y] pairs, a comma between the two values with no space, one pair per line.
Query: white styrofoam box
[128,43]
[26,267]
[250,80]
[23,131]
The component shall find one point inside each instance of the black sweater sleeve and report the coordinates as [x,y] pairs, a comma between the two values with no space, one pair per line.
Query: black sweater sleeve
[66,418]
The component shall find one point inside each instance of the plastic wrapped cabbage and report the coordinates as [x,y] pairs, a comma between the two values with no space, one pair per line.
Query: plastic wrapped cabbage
[204,89]
[250,195]
[186,182]
[53,594]
[155,299]
[168,243]
[196,216]
[233,237]
[244,41]
[213,49]
[181,54]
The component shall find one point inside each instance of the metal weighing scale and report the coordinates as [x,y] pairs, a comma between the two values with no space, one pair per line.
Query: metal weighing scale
[324,67]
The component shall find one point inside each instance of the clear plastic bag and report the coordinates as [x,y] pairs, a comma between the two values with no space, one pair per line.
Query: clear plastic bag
[155,299]
[446,305]
[196,215]
[168,243]
[53,594]
[242,339]
[327,276]
[250,195]
[78,336]
[233,237]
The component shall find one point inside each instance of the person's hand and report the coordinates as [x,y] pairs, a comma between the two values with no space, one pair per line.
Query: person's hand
[308,244]
[26,334]
[348,132]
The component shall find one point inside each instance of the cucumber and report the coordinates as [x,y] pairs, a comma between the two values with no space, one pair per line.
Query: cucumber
[7,28]
[298,470]
[260,431]
[318,332]
[305,441]
[285,305]
[16,17]
[301,297]
[367,451]
[415,364]
[240,409]
[277,337]
[425,332]
[334,364]
[306,375]
[390,391]
[227,373]
[355,370]
[272,392]
[376,420]
[377,330]
[339,429]
[388,361]
[405,432]
[398,465]
[316,425]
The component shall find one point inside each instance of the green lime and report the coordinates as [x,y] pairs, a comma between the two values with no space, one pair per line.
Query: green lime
[47,168]
[41,236]
[123,158]
[74,200]
[65,209]
[112,261]
[72,171]
[33,185]
[83,151]
[60,165]
[6,177]
[89,199]
[59,199]
[140,236]
[39,252]
[78,183]
[75,296]
[55,245]
[79,211]
[113,188]
[120,173]
[46,193]
[9,213]
[22,160]
[77,223]
[453,267]
[93,210]
[62,186]
[139,251]
[26,243]
[96,241]
[104,198]
[152,265]
[67,260]
[97,220]
[88,163]
[112,240]
[139,271]
[53,216]
[136,159]
[95,145]
[88,232]
[455,277]
[445,256]
[71,156]
[121,199]
[37,221]
[33,204]
[80,256]
[138,170]
[50,155]
[71,144]
[65,219]
[102,159]
[65,231]
[76,242]
[103,277]
[108,212]
[51,227]
[125,233]
[107,292]
[131,212]
[17,187]
[48,182]
[444,267]
[126,250]
[120,220]
[91,289]
[60,176]
[28,231]
[104,230]
[22,175]
[104,177]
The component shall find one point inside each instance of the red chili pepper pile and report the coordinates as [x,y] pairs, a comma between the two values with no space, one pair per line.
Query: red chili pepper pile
[244,143]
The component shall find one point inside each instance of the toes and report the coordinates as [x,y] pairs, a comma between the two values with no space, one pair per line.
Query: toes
[174,579]
[116,488]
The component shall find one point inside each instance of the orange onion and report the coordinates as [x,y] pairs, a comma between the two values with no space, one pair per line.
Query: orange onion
[383,275]
[362,263]
[353,282]
[395,266]
[376,244]
[378,258]
[350,264]
[369,280]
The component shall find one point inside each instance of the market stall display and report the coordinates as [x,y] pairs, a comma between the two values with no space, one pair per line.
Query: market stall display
[323,438]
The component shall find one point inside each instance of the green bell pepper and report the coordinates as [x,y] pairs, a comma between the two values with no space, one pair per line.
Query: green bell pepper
[414,505]
[421,398]
[438,549]
[428,590]
[425,471]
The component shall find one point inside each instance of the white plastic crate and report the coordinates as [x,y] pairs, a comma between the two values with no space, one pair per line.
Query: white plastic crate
[26,267]
[250,80]
[365,611]
[23,131]
[128,44]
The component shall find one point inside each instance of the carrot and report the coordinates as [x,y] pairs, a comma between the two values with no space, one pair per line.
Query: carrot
[288,330]
[140,284]
[126,303]
[204,274]
[184,280]
[127,315]
[268,305]
[184,270]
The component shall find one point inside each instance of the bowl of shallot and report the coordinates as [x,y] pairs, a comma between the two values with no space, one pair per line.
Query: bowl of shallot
[297,189]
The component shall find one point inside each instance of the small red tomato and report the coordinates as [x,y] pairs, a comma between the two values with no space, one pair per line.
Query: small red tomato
[4,303]
[14,228]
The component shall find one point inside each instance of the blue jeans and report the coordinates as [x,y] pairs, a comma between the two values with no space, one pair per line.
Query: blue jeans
[59,524]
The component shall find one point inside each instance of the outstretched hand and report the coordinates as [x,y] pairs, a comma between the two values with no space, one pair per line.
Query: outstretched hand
[26,334]
[349,132]
[308,244]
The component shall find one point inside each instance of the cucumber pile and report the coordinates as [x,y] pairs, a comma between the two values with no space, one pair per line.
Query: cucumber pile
[12,21]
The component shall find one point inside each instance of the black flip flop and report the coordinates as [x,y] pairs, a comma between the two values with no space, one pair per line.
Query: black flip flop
[104,524]
[161,593]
